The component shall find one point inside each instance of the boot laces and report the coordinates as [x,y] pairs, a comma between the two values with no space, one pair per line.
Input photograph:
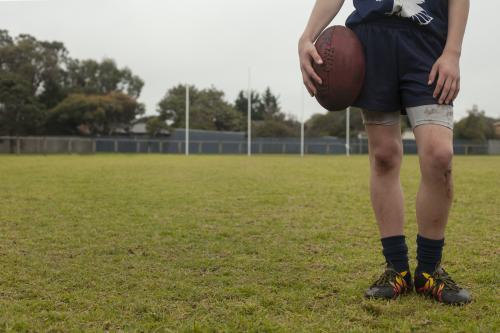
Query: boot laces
[440,276]
[386,278]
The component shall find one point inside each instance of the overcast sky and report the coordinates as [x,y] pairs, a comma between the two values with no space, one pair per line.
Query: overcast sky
[215,42]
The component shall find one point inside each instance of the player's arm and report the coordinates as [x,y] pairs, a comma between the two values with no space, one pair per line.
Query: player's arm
[322,14]
[447,68]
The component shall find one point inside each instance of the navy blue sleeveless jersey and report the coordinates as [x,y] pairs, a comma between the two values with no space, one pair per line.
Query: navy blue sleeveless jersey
[430,15]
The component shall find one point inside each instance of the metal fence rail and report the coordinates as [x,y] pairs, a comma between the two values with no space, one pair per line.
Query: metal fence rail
[80,145]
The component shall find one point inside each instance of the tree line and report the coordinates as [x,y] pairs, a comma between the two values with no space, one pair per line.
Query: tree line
[44,91]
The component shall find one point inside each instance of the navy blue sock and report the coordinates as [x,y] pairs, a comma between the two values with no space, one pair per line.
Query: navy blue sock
[429,253]
[396,252]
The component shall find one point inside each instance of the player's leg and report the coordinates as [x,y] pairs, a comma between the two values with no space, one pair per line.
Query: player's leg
[435,194]
[381,100]
[386,153]
[432,124]
[433,128]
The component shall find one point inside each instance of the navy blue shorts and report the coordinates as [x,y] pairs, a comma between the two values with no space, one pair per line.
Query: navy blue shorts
[399,58]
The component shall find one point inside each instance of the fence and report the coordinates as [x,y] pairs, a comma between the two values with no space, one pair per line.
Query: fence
[80,145]
[65,145]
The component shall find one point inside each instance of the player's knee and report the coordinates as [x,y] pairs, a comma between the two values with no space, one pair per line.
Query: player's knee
[387,158]
[439,160]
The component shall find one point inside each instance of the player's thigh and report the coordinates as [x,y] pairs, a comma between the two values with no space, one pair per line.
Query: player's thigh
[433,129]
[384,134]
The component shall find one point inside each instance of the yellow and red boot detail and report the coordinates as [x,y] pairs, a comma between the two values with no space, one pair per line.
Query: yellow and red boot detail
[441,287]
[390,285]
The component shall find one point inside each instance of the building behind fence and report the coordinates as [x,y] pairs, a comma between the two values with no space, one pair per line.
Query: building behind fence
[210,142]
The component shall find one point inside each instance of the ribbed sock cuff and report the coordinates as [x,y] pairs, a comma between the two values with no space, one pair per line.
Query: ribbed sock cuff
[395,252]
[429,253]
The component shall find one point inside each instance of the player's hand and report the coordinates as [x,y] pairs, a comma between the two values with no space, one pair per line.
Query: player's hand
[308,54]
[447,72]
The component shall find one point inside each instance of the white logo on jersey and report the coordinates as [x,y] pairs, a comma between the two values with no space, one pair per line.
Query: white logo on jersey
[411,9]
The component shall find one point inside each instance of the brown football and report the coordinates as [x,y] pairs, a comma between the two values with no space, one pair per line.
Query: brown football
[343,68]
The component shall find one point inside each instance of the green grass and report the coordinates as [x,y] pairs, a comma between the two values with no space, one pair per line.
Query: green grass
[210,243]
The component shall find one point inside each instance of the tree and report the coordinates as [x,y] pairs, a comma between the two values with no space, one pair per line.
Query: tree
[155,125]
[38,75]
[276,129]
[265,106]
[476,126]
[20,113]
[227,119]
[267,118]
[92,77]
[98,114]
[241,105]
[208,109]
[39,63]
[270,104]
[334,124]
[5,39]
[173,104]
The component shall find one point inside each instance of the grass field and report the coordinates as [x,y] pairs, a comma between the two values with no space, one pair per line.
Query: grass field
[211,243]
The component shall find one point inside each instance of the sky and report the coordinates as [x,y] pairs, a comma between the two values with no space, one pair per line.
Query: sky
[214,43]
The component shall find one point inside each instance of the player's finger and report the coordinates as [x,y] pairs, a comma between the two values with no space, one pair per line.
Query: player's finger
[457,90]
[433,73]
[310,87]
[315,55]
[312,74]
[445,91]
[453,89]
[439,86]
